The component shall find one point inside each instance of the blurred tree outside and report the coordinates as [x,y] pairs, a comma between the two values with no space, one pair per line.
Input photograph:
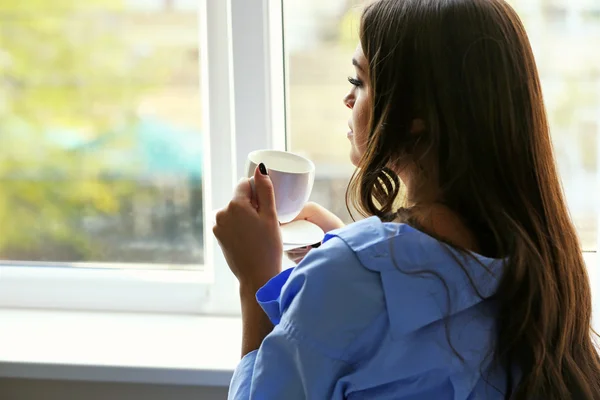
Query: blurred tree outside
[67,77]
[349,26]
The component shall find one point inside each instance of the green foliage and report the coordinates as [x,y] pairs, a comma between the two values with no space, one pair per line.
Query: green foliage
[67,77]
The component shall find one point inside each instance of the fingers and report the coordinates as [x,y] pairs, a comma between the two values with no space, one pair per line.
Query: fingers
[254,199]
[219,218]
[240,205]
[297,255]
[320,216]
[242,198]
[243,191]
[263,187]
[308,211]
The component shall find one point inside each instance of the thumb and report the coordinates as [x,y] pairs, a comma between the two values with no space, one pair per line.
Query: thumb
[264,192]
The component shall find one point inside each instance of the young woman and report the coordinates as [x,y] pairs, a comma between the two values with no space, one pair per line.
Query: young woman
[475,288]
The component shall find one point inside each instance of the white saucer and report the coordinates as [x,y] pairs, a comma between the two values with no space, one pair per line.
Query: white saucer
[296,234]
[299,234]
[290,247]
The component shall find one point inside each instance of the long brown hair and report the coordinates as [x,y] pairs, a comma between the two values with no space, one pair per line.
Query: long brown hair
[466,69]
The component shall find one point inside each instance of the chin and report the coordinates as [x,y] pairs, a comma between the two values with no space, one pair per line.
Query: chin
[354,157]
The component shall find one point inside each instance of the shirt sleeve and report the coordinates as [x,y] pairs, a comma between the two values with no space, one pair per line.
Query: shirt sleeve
[285,367]
[305,356]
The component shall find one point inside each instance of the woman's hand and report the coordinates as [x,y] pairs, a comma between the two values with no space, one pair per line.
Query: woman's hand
[248,233]
[319,216]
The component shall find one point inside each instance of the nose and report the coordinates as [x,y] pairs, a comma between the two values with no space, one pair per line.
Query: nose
[349,100]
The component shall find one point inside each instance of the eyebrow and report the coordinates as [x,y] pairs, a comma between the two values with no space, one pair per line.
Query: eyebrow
[356,64]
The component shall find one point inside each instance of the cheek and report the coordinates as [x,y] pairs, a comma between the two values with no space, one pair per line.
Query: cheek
[361,120]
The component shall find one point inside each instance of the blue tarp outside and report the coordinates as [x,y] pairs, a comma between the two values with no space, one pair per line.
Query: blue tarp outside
[153,147]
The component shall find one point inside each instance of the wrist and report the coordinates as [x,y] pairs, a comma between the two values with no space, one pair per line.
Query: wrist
[249,286]
[248,291]
[255,322]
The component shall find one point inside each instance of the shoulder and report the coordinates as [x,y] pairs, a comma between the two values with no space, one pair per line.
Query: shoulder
[343,273]
[344,259]
[330,298]
[337,291]
[415,268]
[369,270]
[375,243]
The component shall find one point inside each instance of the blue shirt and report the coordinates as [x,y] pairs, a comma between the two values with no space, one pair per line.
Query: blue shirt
[363,317]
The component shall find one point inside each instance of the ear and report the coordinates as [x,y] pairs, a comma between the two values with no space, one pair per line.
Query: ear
[417,126]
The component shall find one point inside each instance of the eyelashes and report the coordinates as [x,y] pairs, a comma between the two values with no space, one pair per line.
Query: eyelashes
[354,81]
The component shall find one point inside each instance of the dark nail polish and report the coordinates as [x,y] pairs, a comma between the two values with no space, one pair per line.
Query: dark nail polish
[314,246]
[262,169]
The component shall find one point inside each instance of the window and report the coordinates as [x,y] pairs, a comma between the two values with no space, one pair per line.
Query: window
[320,38]
[570,73]
[555,16]
[102,145]
[569,67]
[321,34]
[107,158]
[126,122]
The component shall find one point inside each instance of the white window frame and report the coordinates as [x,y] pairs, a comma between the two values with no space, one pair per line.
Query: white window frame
[243,101]
[242,73]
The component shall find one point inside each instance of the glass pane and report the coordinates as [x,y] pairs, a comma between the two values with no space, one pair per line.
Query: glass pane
[565,36]
[100,151]
[320,38]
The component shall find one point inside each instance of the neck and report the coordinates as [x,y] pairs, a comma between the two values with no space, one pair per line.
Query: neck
[419,191]
[444,223]
[423,199]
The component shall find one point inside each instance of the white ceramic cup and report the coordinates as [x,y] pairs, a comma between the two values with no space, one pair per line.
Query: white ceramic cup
[292,175]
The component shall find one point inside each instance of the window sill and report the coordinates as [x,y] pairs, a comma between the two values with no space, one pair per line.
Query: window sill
[119,347]
[171,349]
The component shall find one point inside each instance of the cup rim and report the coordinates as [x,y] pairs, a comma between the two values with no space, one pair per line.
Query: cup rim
[310,168]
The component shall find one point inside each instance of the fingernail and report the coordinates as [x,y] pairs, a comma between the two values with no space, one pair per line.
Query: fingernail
[262,169]
[314,246]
